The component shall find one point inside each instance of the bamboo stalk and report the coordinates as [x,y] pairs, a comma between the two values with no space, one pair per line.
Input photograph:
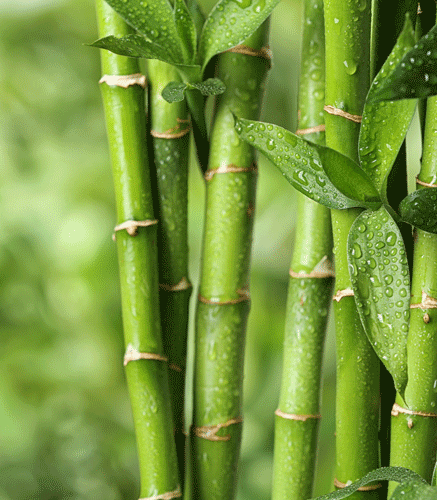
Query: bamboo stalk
[347,33]
[223,305]
[414,437]
[309,295]
[170,127]
[146,371]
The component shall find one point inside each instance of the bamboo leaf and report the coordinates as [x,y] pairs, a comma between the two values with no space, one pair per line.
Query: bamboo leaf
[187,30]
[134,46]
[385,124]
[174,91]
[398,474]
[153,19]
[414,491]
[230,23]
[380,279]
[197,15]
[416,74]
[420,209]
[322,174]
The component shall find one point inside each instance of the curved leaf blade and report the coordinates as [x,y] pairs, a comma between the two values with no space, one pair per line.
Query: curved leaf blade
[398,474]
[380,279]
[229,23]
[416,74]
[153,19]
[174,92]
[187,30]
[133,46]
[385,124]
[211,86]
[313,170]
[414,491]
[420,209]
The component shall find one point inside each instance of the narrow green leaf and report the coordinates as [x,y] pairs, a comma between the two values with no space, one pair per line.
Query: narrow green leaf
[197,15]
[420,209]
[134,46]
[186,29]
[174,92]
[416,74]
[322,174]
[154,19]
[230,23]
[398,474]
[380,279]
[414,491]
[385,124]
[211,86]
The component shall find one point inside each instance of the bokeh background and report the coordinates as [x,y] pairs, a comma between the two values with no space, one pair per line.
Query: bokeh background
[65,422]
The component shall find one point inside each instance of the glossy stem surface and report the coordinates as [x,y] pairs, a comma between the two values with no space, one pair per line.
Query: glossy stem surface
[170,128]
[347,34]
[414,437]
[147,379]
[223,306]
[308,299]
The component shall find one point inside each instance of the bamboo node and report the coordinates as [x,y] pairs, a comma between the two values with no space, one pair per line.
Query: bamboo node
[344,114]
[264,52]
[227,169]
[428,302]
[209,432]
[311,130]
[397,410]
[243,296]
[133,354]
[175,368]
[370,487]
[323,269]
[175,132]
[165,496]
[347,292]
[294,416]
[124,81]
[132,226]
[426,184]
[184,284]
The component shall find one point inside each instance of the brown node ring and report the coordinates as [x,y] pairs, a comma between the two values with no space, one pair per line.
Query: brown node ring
[132,226]
[174,132]
[165,496]
[209,432]
[426,184]
[135,355]
[322,270]
[428,302]
[183,285]
[347,292]
[397,410]
[311,130]
[264,52]
[243,296]
[344,114]
[124,81]
[371,487]
[229,169]
[294,416]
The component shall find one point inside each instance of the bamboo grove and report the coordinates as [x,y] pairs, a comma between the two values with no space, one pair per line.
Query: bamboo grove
[366,69]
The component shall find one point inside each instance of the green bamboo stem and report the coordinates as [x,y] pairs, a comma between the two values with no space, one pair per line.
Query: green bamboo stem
[414,437]
[309,298]
[170,128]
[223,307]
[146,378]
[347,33]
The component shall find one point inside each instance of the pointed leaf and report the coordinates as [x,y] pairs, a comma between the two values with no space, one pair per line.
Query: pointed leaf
[398,474]
[197,15]
[416,74]
[320,173]
[414,491]
[134,46]
[385,124]
[186,29]
[154,19]
[420,209]
[230,23]
[212,86]
[174,92]
[380,279]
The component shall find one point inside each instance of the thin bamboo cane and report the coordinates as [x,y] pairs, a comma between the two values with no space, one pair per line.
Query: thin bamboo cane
[170,131]
[146,369]
[223,299]
[347,33]
[309,294]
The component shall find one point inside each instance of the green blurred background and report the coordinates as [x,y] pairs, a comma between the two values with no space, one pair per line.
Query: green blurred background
[65,421]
